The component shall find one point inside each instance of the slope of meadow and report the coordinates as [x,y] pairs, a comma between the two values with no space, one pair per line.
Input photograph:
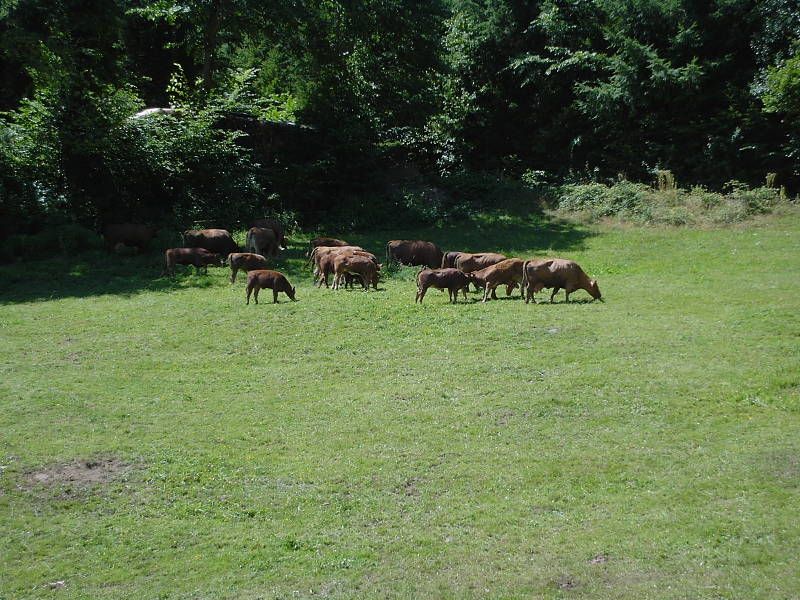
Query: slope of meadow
[160,439]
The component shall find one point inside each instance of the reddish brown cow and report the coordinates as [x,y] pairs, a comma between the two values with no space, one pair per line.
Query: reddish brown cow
[325,241]
[199,257]
[261,240]
[507,272]
[556,273]
[362,266]
[128,234]
[452,280]
[323,258]
[263,278]
[414,253]
[245,261]
[213,240]
[449,259]
[274,225]
[468,263]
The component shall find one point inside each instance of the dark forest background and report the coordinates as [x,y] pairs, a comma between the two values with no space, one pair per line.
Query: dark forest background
[371,112]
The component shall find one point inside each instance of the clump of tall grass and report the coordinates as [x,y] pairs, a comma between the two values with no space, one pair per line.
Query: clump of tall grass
[667,204]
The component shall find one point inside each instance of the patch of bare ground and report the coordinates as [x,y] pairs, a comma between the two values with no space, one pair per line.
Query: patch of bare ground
[566,582]
[82,473]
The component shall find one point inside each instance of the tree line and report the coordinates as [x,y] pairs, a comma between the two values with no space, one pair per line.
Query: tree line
[314,107]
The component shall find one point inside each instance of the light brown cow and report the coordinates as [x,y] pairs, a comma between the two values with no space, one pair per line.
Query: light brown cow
[362,266]
[264,278]
[507,272]
[245,261]
[261,240]
[452,280]
[414,253]
[199,257]
[556,273]
[276,226]
[213,240]
[324,260]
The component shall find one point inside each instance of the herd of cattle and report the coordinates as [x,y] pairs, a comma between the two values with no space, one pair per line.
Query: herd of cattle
[451,271]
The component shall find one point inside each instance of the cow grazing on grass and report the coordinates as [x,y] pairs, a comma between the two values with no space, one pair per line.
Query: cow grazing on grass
[417,253]
[199,257]
[362,266]
[261,240]
[276,226]
[264,278]
[213,240]
[128,234]
[556,273]
[468,263]
[452,280]
[507,272]
[449,259]
[245,261]
[324,257]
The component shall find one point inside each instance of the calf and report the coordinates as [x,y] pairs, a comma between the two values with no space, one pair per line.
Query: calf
[199,257]
[556,273]
[357,265]
[450,279]
[245,261]
[507,272]
[263,278]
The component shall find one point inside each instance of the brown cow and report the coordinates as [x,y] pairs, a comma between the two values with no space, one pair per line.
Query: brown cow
[320,251]
[261,240]
[449,259]
[507,272]
[128,234]
[263,278]
[326,257]
[556,273]
[414,253]
[199,257]
[245,261]
[450,279]
[276,226]
[213,240]
[468,263]
[357,265]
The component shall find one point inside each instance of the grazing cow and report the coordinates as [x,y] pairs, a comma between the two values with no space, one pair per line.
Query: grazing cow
[263,278]
[362,266]
[128,234]
[449,259]
[556,273]
[320,251]
[468,263]
[507,272]
[414,253]
[245,261]
[450,279]
[199,257]
[213,240]
[276,226]
[261,240]
[325,241]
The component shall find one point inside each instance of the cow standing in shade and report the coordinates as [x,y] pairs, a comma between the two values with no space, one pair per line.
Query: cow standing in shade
[414,253]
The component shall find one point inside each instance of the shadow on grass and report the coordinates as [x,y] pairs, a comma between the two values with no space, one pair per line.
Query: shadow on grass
[99,273]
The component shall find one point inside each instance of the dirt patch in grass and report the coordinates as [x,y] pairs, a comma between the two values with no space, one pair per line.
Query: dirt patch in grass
[81,473]
[566,582]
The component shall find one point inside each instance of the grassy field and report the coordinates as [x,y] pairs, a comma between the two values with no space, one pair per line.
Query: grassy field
[160,439]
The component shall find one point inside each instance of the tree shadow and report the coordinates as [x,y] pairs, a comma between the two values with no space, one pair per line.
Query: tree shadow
[99,273]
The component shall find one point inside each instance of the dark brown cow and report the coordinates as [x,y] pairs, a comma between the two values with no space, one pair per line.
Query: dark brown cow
[213,240]
[199,257]
[128,234]
[245,261]
[264,278]
[449,259]
[507,272]
[414,253]
[452,280]
[556,273]
[276,226]
[362,266]
[325,241]
[261,240]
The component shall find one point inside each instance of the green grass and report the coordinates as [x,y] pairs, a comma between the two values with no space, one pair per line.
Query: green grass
[356,445]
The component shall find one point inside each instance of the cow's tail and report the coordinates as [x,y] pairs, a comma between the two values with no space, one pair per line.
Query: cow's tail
[525,280]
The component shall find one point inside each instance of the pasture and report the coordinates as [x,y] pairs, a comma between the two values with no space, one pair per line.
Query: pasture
[160,439]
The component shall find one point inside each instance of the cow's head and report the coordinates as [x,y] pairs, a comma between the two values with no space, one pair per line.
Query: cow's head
[594,290]
[291,293]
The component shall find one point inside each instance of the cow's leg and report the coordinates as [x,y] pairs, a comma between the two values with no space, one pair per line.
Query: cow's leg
[464,289]
[274,296]
[494,294]
[249,289]
[421,294]
[555,291]
[486,292]
[233,274]
[364,281]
